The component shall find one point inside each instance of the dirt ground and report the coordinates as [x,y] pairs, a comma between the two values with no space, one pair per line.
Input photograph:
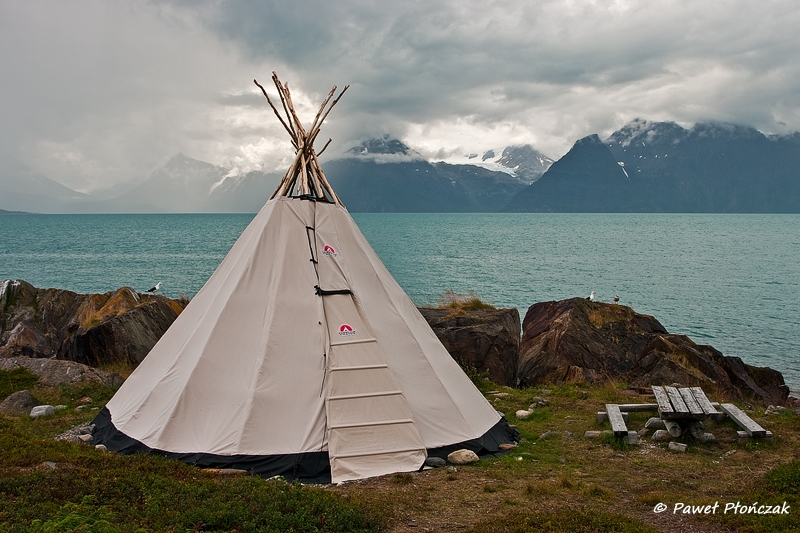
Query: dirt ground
[550,472]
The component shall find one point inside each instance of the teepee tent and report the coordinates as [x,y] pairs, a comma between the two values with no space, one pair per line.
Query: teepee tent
[301,356]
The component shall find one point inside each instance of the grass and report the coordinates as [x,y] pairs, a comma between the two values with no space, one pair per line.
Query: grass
[553,482]
[88,490]
[460,303]
[565,482]
[16,380]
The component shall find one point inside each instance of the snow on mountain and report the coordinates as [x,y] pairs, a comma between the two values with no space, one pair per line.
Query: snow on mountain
[521,161]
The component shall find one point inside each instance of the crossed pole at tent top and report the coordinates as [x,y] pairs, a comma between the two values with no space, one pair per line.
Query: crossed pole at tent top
[304,176]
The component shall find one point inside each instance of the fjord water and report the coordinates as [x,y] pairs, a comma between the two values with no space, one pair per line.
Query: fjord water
[731,281]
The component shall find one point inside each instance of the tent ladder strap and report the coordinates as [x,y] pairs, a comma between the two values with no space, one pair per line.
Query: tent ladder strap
[365,395]
[370,424]
[356,341]
[360,367]
[387,452]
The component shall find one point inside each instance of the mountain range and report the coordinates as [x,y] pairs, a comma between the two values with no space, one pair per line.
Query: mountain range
[643,167]
[662,167]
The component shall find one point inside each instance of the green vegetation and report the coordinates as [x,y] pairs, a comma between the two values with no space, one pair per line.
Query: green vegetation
[15,380]
[564,521]
[554,481]
[49,486]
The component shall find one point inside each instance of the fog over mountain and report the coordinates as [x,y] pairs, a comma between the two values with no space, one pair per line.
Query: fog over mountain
[97,94]
[645,166]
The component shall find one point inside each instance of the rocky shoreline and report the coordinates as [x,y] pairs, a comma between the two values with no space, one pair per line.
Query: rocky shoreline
[568,341]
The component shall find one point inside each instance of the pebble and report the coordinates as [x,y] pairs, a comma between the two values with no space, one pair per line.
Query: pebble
[677,447]
[661,435]
[546,434]
[523,414]
[463,457]
[42,410]
[101,448]
[451,469]
[435,462]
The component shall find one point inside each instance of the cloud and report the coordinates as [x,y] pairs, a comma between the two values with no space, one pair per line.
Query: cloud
[99,92]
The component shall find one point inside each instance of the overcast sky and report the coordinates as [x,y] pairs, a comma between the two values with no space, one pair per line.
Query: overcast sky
[94,92]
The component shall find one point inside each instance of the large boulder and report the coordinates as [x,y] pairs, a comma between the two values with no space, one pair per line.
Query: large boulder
[577,340]
[94,329]
[485,339]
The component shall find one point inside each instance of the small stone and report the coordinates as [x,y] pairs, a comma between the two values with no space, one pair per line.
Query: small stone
[435,462]
[643,432]
[707,438]
[592,434]
[502,395]
[546,434]
[451,469]
[492,392]
[522,414]
[85,400]
[729,453]
[84,438]
[80,408]
[677,447]
[463,457]
[633,437]
[42,410]
[661,435]
[101,448]
[506,446]
[49,464]
[19,402]
[60,407]
[518,458]
[501,413]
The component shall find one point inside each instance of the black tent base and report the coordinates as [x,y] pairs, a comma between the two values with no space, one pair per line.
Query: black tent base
[308,467]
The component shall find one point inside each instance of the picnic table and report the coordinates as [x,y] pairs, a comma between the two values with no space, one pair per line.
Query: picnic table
[680,408]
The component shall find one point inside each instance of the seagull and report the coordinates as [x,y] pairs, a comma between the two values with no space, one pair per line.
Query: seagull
[155,289]
[591,296]
[616,299]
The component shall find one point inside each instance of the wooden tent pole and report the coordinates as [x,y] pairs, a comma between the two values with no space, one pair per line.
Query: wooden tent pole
[304,176]
[286,126]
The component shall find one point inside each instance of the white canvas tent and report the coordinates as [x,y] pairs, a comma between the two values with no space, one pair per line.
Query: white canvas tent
[301,356]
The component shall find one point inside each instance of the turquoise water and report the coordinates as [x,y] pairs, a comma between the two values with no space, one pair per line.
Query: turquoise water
[731,281]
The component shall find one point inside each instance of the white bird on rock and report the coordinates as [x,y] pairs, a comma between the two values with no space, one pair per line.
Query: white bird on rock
[616,299]
[156,288]
[591,296]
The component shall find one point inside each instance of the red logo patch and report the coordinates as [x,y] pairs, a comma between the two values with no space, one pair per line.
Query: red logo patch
[329,251]
[346,329]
